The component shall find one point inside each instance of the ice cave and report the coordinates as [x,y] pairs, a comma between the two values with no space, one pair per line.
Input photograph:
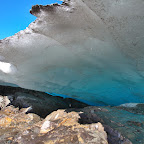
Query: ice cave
[90,50]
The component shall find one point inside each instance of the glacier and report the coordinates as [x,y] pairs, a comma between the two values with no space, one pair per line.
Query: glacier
[88,50]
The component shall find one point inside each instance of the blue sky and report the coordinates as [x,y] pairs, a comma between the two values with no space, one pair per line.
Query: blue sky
[15,16]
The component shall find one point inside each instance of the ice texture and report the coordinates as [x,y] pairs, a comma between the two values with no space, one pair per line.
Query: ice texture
[92,50]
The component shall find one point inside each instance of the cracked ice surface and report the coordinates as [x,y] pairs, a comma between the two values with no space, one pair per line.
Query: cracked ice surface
[89,50]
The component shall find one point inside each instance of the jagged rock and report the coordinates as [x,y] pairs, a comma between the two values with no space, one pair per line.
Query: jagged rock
[136,108]
[58,127]
[14,121]
[122,125]
[40,102]
[4,101]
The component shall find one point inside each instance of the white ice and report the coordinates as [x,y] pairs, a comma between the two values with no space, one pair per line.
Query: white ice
[91,50]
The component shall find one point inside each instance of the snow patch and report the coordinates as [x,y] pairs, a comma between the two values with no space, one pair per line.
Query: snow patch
[130,105]
[5,67]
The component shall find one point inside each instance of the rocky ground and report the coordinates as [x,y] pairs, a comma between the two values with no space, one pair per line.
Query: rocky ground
[41,103]
[17,127]
[31,117]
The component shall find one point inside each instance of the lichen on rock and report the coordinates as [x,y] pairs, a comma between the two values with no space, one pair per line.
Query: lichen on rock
[58,127]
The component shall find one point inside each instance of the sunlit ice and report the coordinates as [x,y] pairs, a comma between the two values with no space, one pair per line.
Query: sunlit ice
[5,67]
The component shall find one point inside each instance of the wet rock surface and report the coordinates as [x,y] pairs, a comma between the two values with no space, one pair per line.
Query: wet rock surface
[120,124]
[136,109]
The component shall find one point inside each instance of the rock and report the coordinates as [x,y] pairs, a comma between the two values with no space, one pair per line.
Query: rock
[40,102]
[58,127]
[4,101]
[136,108]
[13,121]
[61,120]
[138,124]
[123,125]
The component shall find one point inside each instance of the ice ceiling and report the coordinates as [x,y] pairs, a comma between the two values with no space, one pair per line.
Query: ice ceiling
[92,50]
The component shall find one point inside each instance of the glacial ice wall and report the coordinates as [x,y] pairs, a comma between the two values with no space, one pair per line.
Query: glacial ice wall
[92,50]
